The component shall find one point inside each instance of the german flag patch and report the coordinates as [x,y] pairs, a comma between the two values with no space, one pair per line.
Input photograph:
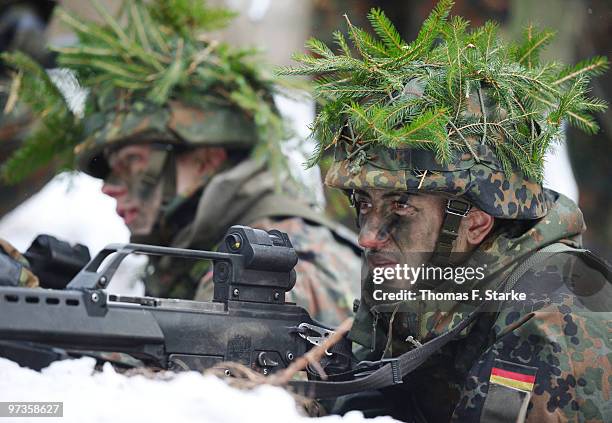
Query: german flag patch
[512,375]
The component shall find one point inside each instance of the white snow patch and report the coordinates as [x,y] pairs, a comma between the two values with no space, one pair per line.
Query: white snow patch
[107,396]
[72,208]
[558,173]
[299,112]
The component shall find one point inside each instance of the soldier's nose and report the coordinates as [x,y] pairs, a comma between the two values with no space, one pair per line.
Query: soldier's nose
[113,190]
[372,239]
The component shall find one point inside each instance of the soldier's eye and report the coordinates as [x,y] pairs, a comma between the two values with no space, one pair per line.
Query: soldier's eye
[403,208]
[363,206]
[133,159]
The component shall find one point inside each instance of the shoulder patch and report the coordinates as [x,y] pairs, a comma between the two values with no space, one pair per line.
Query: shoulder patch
[512,375]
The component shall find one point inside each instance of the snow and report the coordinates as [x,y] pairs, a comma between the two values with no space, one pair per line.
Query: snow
[298,112]
[558,173]
[72,208]
[107,396]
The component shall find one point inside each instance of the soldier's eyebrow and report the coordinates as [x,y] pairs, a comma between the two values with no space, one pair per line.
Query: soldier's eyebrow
[360,192]
[404,194]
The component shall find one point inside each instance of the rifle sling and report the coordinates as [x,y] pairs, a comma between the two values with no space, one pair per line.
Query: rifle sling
[392,371]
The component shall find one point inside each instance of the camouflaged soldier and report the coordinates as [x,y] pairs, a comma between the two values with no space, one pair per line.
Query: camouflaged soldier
[14,268]
[439,143]
[171,125]
[22,28]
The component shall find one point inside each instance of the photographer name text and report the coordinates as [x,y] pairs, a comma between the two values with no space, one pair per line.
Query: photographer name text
[429,295]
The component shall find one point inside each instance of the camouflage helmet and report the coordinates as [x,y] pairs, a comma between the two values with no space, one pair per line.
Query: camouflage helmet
[174,123]
[157,79]
[476,174]
[454,112]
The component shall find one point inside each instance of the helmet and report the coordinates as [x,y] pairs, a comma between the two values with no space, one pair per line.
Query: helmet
[174,123]
[157,80]
[476,175]
[453,112]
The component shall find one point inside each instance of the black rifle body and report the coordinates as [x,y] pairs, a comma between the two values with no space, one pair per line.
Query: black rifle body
[170,334]
[248,322]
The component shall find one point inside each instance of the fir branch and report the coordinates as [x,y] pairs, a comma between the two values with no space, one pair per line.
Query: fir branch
[584,122]
[367,46]
[590,67]
[188,16]
[170,77]
[111,22]
[56,131]
[342,43]
[430,30]
[528,52]
[137,21]
[386,31]
[320,48]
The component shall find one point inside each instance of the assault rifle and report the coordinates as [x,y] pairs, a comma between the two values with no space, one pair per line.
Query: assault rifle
[247,322]
[56,262]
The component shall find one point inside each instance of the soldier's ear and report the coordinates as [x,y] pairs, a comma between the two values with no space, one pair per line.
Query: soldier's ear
[476,226]
[205,160]
[212,159]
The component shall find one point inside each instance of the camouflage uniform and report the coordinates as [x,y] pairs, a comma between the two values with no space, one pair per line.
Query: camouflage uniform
[553,336]
[22,26]
[544,359]
[15,269]
[328,262]
[244,191]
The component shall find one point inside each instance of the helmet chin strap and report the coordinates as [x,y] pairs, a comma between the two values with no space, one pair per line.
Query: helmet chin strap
[160,169]
[456,209]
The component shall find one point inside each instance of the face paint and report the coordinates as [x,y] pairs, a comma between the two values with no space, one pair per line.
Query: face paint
[138,203]
[398,232]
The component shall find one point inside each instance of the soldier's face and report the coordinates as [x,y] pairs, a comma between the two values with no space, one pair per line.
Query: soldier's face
[398,227]
[128,165]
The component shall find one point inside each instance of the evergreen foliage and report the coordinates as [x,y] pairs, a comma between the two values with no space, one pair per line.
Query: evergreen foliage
[160,55]
[55,132]
[397,94]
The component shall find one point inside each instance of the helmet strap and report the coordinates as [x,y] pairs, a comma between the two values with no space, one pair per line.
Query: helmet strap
[456,209]
[161,168]
[152,174]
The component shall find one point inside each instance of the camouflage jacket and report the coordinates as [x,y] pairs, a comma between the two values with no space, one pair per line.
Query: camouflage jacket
[329,264]
[548,357]
[14,267]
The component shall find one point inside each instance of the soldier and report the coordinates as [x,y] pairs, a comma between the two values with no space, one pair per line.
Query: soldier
[171,125]
[439,143]
[22,28]
[14,267]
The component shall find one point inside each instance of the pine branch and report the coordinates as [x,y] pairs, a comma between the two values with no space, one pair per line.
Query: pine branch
[53,137]
[387,32]
[528,52]
[590,67]
[391,92]
[342,43]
